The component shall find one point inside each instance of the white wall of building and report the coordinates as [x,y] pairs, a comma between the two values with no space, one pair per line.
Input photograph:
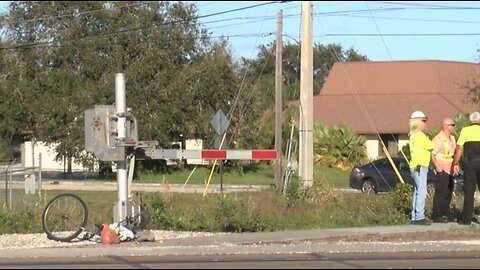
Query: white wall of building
[372,146]
[195,145]
[402,141]
[31,155]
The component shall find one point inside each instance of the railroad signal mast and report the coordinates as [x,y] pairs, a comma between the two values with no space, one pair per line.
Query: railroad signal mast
[111,133]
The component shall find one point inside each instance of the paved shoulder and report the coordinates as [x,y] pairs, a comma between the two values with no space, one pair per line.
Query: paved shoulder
[306,241]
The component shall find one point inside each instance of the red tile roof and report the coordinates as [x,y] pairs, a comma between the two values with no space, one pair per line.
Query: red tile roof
[378,97]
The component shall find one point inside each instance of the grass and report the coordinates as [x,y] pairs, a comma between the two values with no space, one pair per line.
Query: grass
[251,211]
[99,205]
[266,210]
[252,175]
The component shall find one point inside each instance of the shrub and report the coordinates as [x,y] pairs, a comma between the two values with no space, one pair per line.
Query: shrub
[338,146]
[401,196]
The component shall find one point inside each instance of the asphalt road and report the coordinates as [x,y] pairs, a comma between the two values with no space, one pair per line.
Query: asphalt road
[53,184]
[383,260]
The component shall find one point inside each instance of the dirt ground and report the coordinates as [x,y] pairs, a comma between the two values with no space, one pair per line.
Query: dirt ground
[469,233]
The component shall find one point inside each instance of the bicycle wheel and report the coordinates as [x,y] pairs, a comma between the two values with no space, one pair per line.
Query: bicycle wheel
[64,217]
[139,221]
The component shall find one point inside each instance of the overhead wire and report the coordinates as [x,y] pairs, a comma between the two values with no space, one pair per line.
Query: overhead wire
[76,14]
[384,147]
[230,116]
[360,103]
[333,13]
[356,93]
[363,108]
[414,19]
[242,84]
[400,34]
[146,27]
[427,5]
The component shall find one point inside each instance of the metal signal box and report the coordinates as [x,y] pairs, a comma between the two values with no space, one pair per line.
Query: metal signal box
[101,133]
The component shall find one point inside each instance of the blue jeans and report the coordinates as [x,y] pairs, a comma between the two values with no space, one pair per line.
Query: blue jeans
[419,192]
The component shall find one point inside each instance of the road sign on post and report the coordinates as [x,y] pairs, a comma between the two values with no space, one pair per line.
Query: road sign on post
[220,122]
[217,141]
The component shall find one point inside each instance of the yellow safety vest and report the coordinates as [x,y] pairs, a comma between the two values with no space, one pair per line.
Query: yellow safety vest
[420,147]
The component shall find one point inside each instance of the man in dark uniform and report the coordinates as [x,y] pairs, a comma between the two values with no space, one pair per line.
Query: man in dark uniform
[469,144]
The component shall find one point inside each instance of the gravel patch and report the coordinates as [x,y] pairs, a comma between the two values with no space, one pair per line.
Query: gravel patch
[39,240]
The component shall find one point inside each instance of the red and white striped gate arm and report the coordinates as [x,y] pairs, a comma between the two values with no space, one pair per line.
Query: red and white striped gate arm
[211,154]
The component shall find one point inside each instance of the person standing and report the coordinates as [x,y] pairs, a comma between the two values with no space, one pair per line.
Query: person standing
[420,148]
[468,144]
[442,159]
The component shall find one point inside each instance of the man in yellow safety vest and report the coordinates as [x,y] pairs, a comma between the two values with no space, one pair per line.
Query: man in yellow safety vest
[442,159]
[420,148]
[468,145]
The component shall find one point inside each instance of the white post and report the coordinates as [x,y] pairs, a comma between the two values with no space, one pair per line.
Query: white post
[121,107]
[278,100]
[306,97]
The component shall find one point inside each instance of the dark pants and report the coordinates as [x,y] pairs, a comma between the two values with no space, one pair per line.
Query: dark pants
[443,194]
[471,176]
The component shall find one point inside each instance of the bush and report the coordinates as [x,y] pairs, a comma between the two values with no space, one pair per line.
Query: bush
[338,146]
[19,221]
[401,196]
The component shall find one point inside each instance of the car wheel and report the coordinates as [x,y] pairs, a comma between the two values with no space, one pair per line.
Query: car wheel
[368,186]
[430,189]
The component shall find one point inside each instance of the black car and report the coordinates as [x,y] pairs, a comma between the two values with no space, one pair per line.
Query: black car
[379,176]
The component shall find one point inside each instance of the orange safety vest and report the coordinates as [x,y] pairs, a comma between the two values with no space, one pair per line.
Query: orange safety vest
[445,155]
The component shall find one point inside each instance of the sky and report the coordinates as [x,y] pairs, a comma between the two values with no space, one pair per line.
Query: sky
[383,31]
[380,30]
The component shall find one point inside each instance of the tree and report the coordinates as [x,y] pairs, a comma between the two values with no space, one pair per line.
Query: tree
[59,58]
[473,92]
[323,59]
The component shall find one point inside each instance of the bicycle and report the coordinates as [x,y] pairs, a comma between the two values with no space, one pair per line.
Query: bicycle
[65,216]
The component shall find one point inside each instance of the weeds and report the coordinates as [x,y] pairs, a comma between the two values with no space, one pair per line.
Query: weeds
[402,197]
[267,210]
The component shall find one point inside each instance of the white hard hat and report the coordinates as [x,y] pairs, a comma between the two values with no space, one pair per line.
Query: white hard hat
[418,114]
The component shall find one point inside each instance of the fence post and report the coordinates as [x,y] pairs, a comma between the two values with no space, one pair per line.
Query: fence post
[10,191]
[40,175]
[6,187]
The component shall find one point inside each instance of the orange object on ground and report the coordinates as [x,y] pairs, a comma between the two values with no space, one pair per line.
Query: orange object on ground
[108,236]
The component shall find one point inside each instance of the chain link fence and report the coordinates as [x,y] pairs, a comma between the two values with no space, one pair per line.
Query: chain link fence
[19,183]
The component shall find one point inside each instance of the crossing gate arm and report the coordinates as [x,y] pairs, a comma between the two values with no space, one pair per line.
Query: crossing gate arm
[211,154]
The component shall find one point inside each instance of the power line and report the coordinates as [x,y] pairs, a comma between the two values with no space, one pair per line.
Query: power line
[237,9]
[424,5]
[51,44]
[347,13]
[33,44]
[344,12]
[414,19]
[77,14]
[397,34]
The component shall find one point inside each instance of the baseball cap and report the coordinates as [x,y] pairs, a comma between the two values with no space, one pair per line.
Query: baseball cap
[418,114]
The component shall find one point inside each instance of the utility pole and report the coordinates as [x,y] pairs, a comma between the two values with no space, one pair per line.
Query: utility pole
[121,206]
[278,100]
[306,97]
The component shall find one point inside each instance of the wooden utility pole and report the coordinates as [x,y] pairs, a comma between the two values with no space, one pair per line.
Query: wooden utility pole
[278,100]
[306,97]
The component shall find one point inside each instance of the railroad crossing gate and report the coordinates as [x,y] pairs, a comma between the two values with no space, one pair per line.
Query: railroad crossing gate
[111,134]
[101,139]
